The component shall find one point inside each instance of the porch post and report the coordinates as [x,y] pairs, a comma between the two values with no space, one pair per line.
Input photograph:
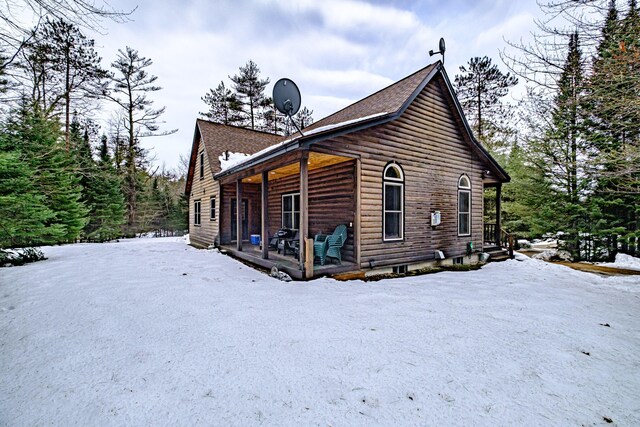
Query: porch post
[239,212]
[265,214]
[498,214]
[304,206]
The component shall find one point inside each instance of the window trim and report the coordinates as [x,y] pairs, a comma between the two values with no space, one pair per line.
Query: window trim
[197,212]
[464,189]
[293,210]
[212,208]
[396,182]
[202,164]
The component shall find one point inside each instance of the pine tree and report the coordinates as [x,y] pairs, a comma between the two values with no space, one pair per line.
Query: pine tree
[131,84]
[249,90]
[101,186]
[480,89]
[51,170]
[25,220]
[223,105]
[74,66]
[559,155]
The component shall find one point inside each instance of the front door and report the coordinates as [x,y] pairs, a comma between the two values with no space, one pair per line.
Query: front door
[245,219]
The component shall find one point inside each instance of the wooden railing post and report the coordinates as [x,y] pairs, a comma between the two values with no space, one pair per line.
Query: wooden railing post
[239,212]
[498,229]
[265,215]
[510,239]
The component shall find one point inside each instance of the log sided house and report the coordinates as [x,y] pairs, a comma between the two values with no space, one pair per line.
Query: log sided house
[400,168]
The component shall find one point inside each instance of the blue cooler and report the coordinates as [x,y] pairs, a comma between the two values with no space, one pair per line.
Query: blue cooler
[255,239]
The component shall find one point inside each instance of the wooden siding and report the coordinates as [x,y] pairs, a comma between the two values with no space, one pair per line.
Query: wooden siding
[203,189]
[427,143]
[331,203]
[251,193]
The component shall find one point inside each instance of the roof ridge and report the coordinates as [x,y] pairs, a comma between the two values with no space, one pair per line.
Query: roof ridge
[375,93]
[238,127]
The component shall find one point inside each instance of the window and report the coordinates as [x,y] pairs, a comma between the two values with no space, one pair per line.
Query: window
[212,213]
[393,200]
[202,165]
[464,206]
[196,212]
[291,211]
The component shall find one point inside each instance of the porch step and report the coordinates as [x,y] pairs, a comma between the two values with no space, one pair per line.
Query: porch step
[497,253]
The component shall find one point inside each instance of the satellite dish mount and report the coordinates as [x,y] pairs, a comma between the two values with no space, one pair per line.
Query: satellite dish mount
[442,48]
[286,97]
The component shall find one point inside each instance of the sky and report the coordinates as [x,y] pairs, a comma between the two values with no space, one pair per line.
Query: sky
[336,51]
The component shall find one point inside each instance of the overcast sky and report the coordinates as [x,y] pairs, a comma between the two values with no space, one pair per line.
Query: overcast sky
[336,51]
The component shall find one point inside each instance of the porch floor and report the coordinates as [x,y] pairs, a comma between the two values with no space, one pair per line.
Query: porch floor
[287,263]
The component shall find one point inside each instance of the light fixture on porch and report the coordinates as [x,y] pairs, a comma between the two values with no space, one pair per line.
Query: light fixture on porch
[486,173]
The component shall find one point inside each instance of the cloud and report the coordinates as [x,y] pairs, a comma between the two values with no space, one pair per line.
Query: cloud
[336,51]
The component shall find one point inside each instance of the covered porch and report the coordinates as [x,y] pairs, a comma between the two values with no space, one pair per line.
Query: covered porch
[495,238]
[304,191]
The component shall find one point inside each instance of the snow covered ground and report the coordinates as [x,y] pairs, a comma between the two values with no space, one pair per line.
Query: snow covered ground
[153,332]
[623,261]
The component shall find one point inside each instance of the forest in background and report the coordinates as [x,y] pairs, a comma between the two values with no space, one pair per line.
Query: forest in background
[572,143]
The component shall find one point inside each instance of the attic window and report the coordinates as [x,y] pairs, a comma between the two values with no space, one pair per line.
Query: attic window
[202,165]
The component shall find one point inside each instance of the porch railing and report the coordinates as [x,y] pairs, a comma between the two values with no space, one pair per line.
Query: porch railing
[503,239]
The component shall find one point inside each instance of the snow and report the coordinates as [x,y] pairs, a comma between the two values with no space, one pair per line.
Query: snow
[623,261]
[231,160]
[155,332]
[345,123]
[240,160]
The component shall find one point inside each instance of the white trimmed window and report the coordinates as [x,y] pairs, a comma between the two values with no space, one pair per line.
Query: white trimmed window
[464,206]
[393,203]
[197,204]
[291,211]
[212,208]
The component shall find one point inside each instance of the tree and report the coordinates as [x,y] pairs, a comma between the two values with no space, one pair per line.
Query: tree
[480,88]
[304,117]
[16,32]
[101,186]
[223,105]
[130,85]
[24,217]
[249,89]
[50,168]
[75,62]
[560,152]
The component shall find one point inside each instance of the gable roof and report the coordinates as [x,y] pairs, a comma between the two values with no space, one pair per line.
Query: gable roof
[381,107]
[218,138]
[387,100]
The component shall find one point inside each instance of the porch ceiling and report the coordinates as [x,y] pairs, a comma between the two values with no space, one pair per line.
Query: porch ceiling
[316,161]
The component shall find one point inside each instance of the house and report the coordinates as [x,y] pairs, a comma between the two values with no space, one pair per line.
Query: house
[399,168]
[211,142]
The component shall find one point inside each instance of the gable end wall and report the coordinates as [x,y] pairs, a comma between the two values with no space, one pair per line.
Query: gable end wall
[203,189]
[428,144]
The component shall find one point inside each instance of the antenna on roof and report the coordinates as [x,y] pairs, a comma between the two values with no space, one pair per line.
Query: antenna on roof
[441,46]
[286,97]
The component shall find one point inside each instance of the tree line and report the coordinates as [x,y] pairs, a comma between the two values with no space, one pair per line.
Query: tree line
[245,104]
[62,177]
[574,151]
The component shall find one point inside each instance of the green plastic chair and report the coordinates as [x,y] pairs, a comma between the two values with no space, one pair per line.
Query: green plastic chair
[329,246]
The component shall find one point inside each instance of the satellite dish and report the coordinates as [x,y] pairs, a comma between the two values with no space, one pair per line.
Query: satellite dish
[442,48]
[286,97]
